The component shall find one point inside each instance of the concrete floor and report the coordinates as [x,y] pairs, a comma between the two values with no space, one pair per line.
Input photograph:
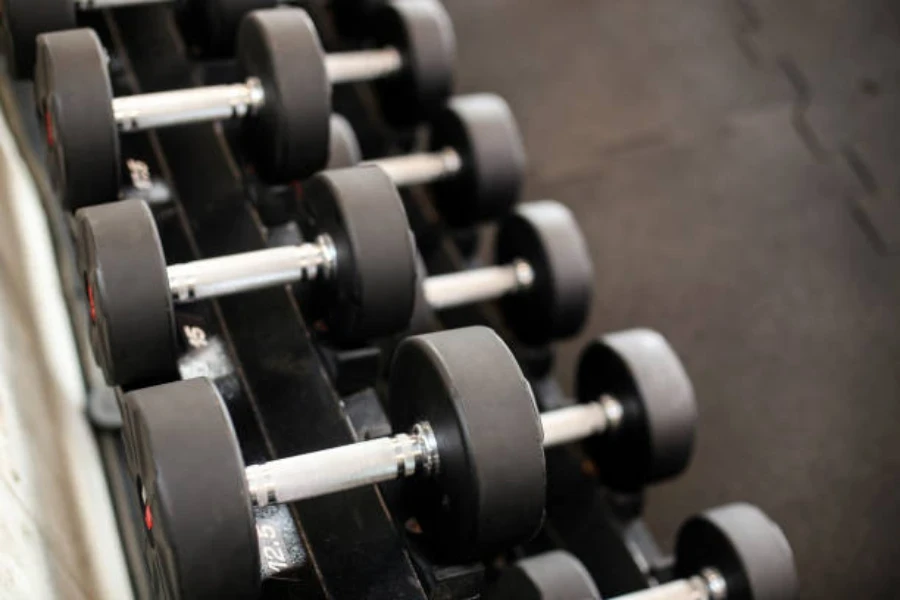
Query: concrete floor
[733,164]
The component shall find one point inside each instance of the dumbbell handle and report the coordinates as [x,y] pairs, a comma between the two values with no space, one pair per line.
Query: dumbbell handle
[192,105]
[215,277]
[384,459]
[421,168]
[708,585]
[580,421]
[237,100]
[101,4]
[362,65]
[477,285]
[343,468]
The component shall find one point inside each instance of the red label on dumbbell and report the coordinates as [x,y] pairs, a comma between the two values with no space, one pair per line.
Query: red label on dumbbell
[48,126]
[148,518]
[91,303]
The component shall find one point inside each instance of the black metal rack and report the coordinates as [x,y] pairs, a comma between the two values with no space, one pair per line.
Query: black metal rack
[289,391]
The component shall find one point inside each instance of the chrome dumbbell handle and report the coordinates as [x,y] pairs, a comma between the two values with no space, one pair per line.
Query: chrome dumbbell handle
[708,585]
[343,468]
[221,276]
[420,168]
[477,285]
[194,105]
[218,102]
[362,65]
[384,459]
[580,421]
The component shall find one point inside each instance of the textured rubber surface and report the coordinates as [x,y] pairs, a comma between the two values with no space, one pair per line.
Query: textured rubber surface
[23,21]
[747,548]
[655,439]
[546,235]
[351,17]
[482,129]
[513,584]
[288,138]
[559,576]
[371,294]
[182,450]
[343,147]
[74,95]
[489,491]
[424,319]
[221,19]
[423,32]
[132,320]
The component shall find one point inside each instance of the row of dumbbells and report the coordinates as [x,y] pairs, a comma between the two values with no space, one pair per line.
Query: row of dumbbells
[468,440]
[469,449]
[285,111]
[208,26]
[358,253]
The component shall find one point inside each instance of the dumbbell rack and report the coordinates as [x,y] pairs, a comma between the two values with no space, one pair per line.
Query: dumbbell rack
[288,391]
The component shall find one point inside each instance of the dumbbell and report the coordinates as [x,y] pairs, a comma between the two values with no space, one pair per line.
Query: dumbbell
[475,166]
[471,450]
[212,24]
[468,448]
[24,20]
[733,552]
[543,277]
[284,101]
[361,262]
[643,421]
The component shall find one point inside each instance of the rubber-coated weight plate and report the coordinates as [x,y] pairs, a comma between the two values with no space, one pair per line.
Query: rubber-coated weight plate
[23,21]
[488,493]
[546,235]
[555,575]
[74,96]
[513,584]
[184,456]
[371,294]
[132,320]
[423,32]
[221,19]
[482,129]
[424,319]
[352,17]
[343,148]
[655,439]
[288,138]
[747,548]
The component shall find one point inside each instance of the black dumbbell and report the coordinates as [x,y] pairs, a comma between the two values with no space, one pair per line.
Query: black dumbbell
[635,410]
[284,102]
[468,449]
[476,164]
[211,24]
[439,383]
[362,259]
[642,383]
[543,277]
[733,552]
[24,20]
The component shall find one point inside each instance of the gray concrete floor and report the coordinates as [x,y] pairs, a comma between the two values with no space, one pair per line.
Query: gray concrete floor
[733,164]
